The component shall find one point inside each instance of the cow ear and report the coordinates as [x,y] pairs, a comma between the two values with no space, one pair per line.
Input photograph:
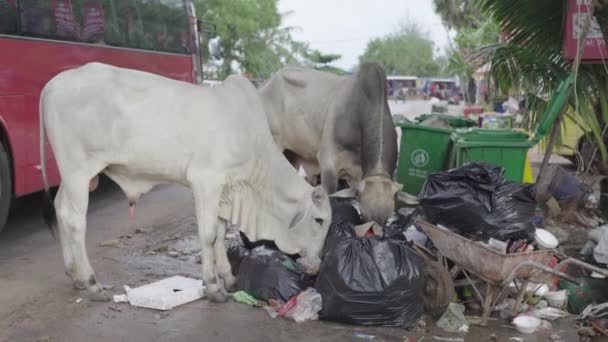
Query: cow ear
[318,195]
[397,187]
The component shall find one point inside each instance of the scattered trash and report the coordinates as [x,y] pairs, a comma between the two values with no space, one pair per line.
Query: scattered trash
[140,231]
[266,273]
[526,324]
[309,266]
[368,229]
[550,314]
[166,294]
[114,308]
[498,245]
[369,281]
[557,299]
[412,234]
[516,339]
[245,298]
[545,239]
[453,320]
[110,243]
[78,301]
[590,291]
[475,200]
[121,298]
[567,189]
[362,336]
[173,254]
[307,306]
[595,311]
[271,312]
[545,325]
[448,339]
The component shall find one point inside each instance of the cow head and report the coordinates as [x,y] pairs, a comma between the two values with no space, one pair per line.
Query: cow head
[377,198]
[308,229]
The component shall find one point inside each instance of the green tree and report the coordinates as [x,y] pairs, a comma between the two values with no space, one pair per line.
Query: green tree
[408,51]
[457,14]
[461,59]
[251,34]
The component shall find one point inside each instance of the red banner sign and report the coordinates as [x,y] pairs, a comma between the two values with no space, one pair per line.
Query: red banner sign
[595,47]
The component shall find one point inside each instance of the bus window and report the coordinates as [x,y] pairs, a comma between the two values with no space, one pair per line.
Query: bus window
[93,21]
[165,25]
[8,16]
[50,19]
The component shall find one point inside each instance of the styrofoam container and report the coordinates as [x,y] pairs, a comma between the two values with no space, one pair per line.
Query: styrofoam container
[166,294]
[557,299]
[526,324]
[545,239]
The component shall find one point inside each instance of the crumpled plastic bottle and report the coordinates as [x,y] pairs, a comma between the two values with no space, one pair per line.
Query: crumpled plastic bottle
[309,303]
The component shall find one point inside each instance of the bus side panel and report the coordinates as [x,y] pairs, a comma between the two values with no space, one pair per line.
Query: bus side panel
[26,65]
[12,108]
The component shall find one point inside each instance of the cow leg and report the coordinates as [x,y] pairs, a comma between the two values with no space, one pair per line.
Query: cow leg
[221,257]
[71,204]
[207,191]
[329,174]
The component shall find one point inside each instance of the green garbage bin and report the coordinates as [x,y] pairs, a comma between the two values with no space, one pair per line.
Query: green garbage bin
[424,150]
[452,120]
[506,148]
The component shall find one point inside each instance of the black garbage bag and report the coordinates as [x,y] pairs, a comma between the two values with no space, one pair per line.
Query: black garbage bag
[367,281]
[371,281]
[344,218]
[270,274]
[405,219]
[476,201]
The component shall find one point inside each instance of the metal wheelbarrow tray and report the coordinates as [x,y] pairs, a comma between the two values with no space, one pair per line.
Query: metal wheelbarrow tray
[496,269]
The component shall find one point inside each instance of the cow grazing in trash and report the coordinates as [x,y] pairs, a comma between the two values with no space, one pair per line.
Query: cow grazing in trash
[338,127]
[142,130]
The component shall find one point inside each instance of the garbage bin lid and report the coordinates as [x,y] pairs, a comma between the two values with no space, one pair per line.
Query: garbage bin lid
[453,120]
[489,135]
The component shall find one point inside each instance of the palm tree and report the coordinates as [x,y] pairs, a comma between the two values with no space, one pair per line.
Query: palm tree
[530,57]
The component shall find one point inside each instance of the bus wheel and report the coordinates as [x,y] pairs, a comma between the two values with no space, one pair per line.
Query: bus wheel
[6,187]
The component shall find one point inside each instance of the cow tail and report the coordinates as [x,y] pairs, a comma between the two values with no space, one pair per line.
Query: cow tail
[48,208]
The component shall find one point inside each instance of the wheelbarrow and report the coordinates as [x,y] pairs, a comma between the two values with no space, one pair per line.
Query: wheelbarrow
[482,264]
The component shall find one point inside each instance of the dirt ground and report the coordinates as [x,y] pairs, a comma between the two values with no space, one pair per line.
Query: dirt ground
[37,302]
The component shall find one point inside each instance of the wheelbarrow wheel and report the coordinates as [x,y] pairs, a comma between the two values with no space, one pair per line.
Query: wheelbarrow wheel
[438,289]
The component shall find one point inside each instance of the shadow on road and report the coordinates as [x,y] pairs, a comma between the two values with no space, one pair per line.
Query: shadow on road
[26,214]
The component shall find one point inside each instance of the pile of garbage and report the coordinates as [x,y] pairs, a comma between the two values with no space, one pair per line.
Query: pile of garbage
[365,279]
[477,202]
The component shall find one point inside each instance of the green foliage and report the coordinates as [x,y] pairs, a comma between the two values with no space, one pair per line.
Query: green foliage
[318,57]
[460,61]
[459,14]
[531,59]
[243,27]
[408,51]
[252,35]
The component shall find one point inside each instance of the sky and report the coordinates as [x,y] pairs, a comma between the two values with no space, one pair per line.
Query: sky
[345,26]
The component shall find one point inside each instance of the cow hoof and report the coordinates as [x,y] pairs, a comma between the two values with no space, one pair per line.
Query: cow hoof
[217,297]
[230,284]
[99,296]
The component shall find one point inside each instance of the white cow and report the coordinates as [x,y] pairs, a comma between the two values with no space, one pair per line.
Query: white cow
[142,130]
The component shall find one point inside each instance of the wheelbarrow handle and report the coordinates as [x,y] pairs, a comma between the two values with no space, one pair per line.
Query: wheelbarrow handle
[530,263]
[581,264]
